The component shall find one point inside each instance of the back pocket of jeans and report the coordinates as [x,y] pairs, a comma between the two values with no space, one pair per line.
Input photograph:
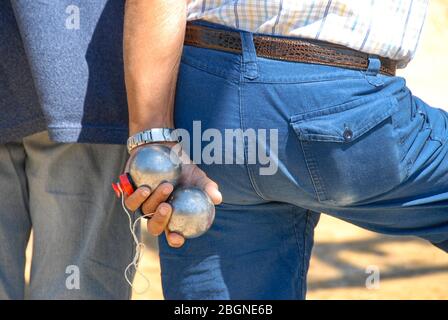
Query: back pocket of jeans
[351,150]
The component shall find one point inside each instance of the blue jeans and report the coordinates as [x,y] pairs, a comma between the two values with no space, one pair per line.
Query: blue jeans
[356,145]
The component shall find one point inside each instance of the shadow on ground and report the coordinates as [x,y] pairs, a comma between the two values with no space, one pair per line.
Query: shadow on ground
[352,275]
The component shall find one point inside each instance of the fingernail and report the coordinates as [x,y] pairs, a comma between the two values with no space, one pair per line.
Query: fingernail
[145,192]
[167,190]
[176,242]
[163,211]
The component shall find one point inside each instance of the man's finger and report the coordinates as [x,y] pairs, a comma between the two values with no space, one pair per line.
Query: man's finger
[211,188]
[160,219]
[136,199]
[199,179]
[175,240]
[159,195]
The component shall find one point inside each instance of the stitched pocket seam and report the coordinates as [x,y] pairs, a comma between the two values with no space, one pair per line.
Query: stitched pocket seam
[338,137]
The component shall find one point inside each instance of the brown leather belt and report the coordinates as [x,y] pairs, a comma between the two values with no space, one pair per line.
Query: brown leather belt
[288,49]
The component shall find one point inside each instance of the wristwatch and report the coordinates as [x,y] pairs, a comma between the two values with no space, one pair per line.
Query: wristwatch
[150,136]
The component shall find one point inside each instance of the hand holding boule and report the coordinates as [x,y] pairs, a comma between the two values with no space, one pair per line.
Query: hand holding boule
[156,202]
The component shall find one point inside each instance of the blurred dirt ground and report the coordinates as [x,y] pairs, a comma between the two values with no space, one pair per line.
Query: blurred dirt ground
[409,268]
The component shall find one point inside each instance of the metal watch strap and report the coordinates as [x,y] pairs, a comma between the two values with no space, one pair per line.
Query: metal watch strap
[150,136]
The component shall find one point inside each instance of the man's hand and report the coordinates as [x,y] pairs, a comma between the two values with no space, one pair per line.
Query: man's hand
[154,201]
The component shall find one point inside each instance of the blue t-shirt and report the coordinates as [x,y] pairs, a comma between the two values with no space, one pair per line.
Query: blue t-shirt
[61,70]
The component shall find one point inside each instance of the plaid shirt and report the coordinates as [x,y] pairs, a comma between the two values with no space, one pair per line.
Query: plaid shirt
[389,28]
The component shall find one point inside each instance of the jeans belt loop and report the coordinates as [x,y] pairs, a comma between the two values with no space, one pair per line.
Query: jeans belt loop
[374,65]
[249,56]
[373,70]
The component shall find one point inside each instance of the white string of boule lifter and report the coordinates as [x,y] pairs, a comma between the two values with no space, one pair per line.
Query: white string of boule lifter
[139,247]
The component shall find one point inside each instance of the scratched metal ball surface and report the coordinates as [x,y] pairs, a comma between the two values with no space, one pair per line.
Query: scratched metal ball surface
[151,165]
[193,212]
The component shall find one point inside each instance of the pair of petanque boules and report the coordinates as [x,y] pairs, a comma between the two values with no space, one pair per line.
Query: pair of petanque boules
[193,211]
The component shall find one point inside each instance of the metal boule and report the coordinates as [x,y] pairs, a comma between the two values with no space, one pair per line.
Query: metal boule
[153,164]
[193,212]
